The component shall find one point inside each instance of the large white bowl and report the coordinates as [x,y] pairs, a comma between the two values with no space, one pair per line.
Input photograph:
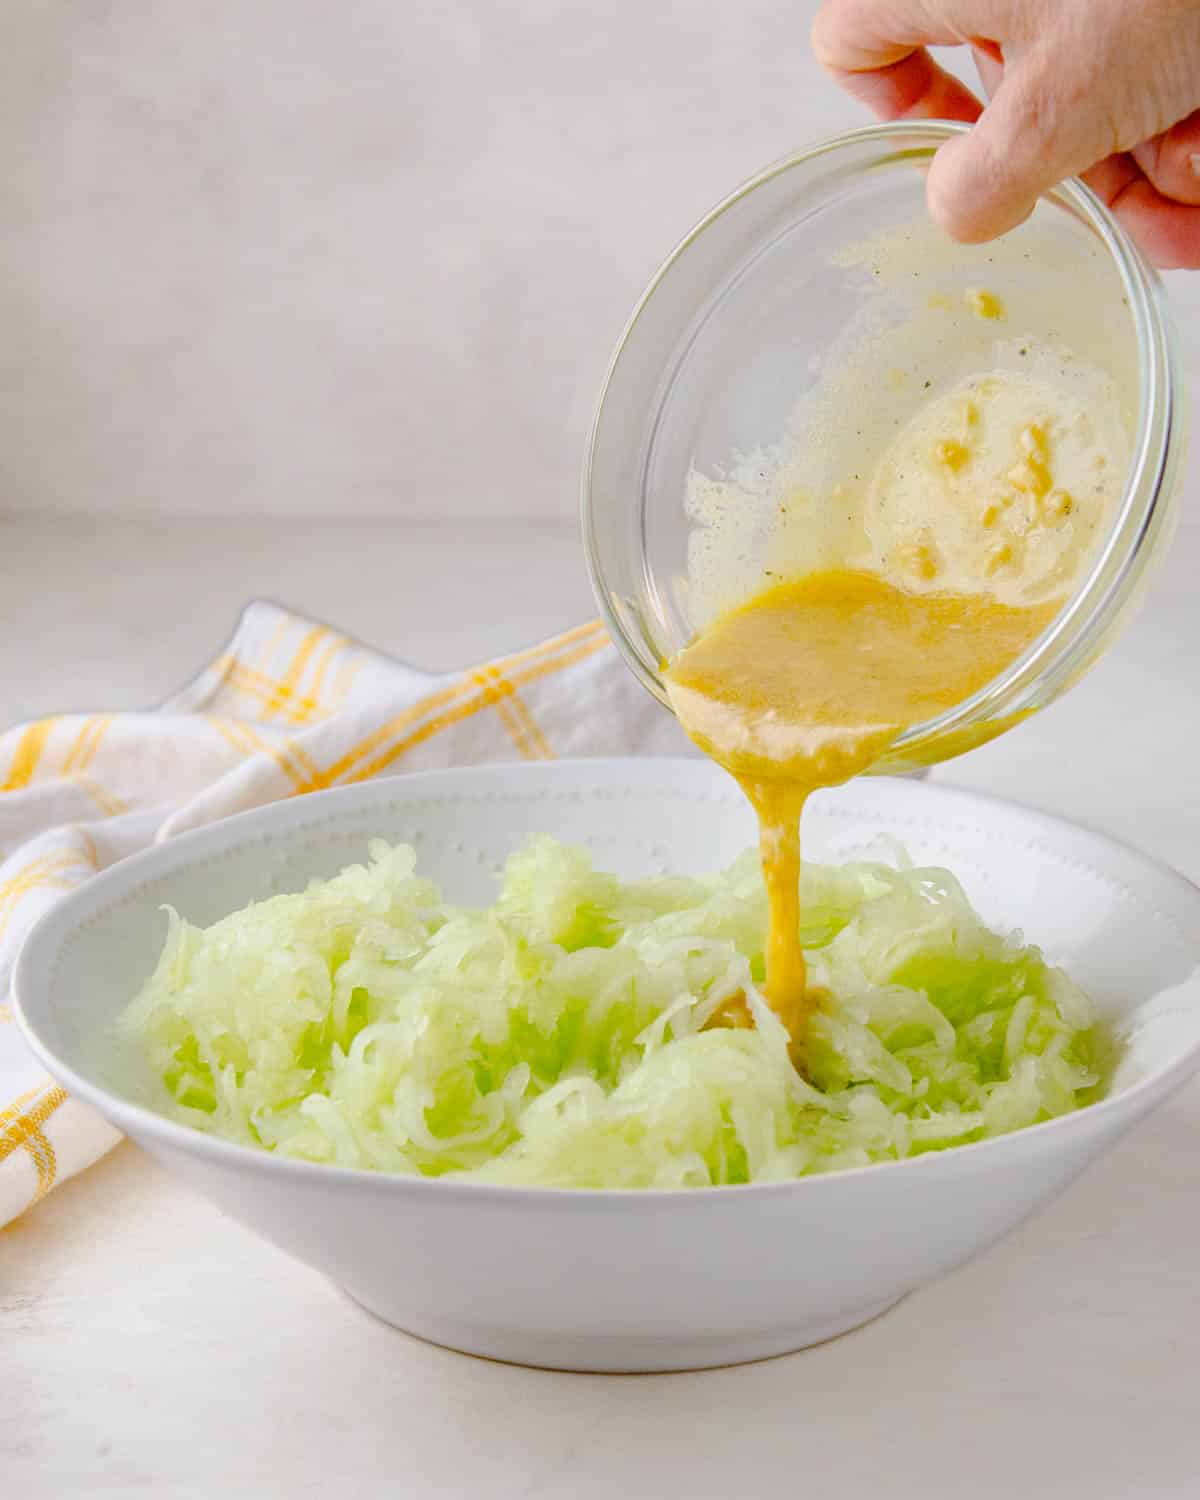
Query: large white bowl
[631,1280]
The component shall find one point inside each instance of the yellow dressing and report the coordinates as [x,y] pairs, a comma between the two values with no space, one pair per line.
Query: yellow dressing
[985,304]
[807,684]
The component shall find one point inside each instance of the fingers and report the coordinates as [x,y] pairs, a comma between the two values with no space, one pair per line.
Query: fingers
[990,69]
[1042,124]
[987,182]
[1038,128]
[980,184]
[1154,190]
[858,36]
[914,88]
[876,52]
[1171,161]
[1168,232]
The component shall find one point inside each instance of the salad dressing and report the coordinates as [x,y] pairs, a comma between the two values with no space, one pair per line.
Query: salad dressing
[808,684]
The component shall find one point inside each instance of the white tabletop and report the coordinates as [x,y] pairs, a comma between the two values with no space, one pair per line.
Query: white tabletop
[152,1346]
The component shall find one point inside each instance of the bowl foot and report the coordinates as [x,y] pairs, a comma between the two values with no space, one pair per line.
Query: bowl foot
[620,1354]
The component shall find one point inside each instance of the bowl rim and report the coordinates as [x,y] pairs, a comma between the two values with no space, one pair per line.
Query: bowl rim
[48,935]
[1070,641]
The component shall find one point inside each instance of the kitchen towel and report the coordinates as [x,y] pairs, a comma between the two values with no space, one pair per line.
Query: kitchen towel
[289,707]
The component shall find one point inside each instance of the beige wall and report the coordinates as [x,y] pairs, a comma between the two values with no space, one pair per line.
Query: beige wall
[294,256]
[290,256]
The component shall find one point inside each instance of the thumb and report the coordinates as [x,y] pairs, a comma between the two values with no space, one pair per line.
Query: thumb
[1027,140]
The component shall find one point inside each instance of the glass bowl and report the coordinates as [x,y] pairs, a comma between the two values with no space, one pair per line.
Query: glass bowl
[761,300]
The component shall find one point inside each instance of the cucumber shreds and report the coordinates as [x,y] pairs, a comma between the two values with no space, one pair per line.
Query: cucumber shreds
[559,1037]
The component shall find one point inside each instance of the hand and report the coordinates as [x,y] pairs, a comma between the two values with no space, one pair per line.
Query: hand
[1104,89]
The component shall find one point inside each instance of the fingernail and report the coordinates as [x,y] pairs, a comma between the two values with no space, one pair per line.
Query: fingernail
[1194,159]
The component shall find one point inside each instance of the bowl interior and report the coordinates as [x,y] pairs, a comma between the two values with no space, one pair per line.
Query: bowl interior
[1125,928]
[779,349]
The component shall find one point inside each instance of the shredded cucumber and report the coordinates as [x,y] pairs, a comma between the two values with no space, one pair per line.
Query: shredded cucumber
[559,1037]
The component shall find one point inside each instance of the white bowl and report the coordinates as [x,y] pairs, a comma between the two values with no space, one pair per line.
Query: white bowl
[631,1280]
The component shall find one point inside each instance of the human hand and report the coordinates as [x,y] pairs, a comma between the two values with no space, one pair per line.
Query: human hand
[1104,89]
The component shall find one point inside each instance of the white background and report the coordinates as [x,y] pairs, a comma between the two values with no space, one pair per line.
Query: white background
[289,257]
[361,265]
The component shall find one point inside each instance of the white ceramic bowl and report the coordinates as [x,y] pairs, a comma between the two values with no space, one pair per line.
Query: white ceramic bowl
[631,1280]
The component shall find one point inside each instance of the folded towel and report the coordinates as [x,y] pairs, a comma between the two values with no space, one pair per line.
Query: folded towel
[288,707]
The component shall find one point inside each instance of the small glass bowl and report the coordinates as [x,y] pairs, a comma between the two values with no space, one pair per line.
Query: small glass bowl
[732,332]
